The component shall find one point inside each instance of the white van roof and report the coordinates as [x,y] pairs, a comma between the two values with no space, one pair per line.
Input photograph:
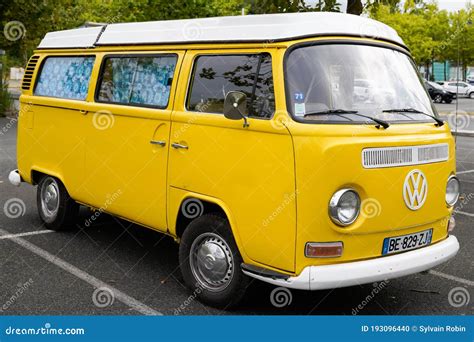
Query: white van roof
[249,28]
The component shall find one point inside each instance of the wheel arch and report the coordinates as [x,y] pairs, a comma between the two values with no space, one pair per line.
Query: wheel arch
[37,174]
[209,205]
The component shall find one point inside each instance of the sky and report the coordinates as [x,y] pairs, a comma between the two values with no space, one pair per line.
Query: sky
[450,5]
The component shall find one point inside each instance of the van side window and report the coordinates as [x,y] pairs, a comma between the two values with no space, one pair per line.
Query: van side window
[140,81]
[214,76]
[65,77]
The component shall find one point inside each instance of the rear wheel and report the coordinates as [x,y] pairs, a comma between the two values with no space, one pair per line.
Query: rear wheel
[55,207]
[438,98]
[210,262]
[471,95]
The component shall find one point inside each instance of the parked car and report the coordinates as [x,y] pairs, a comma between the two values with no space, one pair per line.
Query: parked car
[437,93]
[470,80]
[461,88]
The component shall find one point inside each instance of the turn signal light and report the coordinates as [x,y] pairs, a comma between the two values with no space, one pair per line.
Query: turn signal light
[451,224]
[324,249]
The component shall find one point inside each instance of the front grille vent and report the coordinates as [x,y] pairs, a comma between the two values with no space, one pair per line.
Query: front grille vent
[405,155]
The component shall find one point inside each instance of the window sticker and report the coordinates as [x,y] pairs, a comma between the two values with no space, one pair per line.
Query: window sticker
[300,109]
[299,97]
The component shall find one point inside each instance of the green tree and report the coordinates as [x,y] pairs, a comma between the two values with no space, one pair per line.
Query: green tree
[459,44]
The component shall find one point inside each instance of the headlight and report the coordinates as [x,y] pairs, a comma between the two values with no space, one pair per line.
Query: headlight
[344,207]
[452,191]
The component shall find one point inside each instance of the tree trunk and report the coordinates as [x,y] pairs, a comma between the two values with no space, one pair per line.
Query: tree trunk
[355,7]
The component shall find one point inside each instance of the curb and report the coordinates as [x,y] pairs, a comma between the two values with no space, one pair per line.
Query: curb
[453,113]
[463,133]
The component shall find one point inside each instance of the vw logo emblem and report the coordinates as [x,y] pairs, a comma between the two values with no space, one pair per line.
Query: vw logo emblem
[415,189]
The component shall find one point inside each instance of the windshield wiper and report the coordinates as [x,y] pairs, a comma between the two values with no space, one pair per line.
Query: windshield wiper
[379,122]
[439,122]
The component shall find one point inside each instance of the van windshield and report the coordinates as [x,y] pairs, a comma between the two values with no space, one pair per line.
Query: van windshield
[342,83]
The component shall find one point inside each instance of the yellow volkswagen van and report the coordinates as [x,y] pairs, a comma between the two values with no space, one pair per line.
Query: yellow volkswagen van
[298,149]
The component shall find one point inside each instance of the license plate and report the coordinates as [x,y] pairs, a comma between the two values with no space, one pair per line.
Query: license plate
[407,242]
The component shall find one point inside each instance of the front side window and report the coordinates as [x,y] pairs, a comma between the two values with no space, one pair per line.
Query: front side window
[215,76]
[342,82]
[65,77]
[140,81]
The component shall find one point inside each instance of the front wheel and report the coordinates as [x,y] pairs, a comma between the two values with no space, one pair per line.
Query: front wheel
[471,95]
[210,262]
[438,99]
[55,207]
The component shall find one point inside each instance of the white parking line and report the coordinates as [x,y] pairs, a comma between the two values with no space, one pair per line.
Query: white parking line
[119,295]
[463,213]
[463,172]
[451,277]
[9,236]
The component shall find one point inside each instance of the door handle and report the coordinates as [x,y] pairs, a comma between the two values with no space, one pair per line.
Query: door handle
[178,146]
[83,112]
[161,143]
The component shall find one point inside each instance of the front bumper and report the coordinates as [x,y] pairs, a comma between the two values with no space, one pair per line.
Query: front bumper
[367,271]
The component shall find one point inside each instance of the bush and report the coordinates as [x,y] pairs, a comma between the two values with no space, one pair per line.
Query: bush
[5,100]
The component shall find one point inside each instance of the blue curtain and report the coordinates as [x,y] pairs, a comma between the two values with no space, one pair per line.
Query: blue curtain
[65,77]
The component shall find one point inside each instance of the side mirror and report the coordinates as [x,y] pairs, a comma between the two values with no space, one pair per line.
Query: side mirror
[235,105]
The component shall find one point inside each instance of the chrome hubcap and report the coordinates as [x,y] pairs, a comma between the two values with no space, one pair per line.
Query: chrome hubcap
[211,262]
[50,198]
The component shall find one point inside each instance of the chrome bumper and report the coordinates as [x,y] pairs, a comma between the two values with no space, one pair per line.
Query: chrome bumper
[367,271]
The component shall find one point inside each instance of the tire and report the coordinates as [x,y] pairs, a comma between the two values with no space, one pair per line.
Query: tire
[205,235]
[471,95]
[55,207]
[438,99]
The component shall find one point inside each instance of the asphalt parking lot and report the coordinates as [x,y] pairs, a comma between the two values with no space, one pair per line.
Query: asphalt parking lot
[75,272]
[465,104]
